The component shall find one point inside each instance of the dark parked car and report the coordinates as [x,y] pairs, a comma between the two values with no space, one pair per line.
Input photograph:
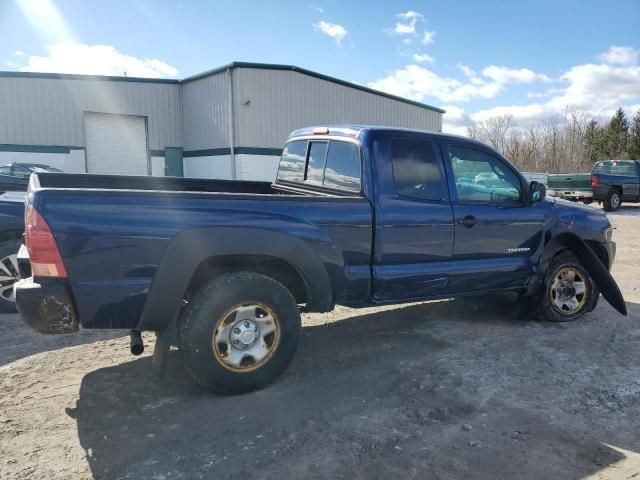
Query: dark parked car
[15,176]
[616,181]
[11,228]
[357,216]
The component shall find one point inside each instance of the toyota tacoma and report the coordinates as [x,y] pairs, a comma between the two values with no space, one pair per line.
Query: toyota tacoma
[357,216]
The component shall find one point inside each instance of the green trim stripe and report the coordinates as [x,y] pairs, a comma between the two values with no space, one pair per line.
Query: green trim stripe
[207,152]
[258,151]
[9,147]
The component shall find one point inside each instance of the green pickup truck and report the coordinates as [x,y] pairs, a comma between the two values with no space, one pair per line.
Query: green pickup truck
[571,186]
[616,181]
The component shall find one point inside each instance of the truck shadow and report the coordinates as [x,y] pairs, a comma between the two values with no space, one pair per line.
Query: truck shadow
[444,390]
[18,340]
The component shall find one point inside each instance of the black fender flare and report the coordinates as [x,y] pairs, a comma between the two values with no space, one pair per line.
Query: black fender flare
[590,261]
[193,246]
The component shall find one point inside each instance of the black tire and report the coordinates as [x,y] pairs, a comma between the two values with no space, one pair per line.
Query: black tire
[613,200]
[548,310]
[7,248]
[202,318]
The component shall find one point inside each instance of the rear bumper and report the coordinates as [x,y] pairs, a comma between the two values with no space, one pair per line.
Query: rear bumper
[46,306]
[554,192]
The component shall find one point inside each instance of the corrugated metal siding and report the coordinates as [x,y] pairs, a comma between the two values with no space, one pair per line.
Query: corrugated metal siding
[46,111]
[205,110]
[282,101]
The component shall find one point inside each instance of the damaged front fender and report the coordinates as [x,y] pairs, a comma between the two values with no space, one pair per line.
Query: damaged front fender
[597,271]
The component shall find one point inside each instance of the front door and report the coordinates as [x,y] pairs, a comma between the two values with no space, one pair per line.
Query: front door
[496,230]
[414,220]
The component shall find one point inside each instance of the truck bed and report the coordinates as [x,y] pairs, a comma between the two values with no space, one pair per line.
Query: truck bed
[113,233]
[128,182]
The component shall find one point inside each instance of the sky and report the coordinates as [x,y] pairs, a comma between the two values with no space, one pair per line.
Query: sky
[534,60]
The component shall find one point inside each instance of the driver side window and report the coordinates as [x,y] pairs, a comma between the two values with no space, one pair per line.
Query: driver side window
[482,178]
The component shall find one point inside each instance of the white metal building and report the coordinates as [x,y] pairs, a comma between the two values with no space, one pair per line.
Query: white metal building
[230,122]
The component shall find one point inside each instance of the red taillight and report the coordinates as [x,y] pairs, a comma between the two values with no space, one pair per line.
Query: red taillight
[594,181]
[43,251]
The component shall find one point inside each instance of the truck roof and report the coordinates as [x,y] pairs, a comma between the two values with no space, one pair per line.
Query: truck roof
[356,131]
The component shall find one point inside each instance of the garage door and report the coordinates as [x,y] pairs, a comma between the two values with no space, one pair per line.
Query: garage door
[116,144]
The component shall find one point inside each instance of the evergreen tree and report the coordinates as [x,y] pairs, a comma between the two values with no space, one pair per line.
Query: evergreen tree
[634,137]
[616,135]
[592,141]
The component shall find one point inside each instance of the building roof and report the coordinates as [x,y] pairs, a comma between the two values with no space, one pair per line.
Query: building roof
[230,66]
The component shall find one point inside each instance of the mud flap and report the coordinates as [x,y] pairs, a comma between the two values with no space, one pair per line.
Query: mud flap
[598,272]
[161,350]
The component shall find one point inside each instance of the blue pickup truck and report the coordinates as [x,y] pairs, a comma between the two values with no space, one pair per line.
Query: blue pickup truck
[357,216]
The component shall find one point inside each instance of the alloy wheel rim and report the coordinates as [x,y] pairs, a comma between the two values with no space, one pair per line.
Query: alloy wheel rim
[8,276]
[568,291]
[246,337]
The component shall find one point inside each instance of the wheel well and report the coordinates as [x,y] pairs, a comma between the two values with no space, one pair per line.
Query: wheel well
[273,267]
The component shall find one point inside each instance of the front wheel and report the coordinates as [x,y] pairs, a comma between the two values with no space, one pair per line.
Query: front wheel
[569,291]
[239,333]
[612,201]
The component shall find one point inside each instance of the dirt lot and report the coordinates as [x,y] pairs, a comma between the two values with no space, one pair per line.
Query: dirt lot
[459,389]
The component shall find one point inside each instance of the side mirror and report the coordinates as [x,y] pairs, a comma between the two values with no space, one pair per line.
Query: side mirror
[537,191]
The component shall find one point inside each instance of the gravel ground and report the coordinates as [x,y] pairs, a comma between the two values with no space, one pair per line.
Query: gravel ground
[453,389]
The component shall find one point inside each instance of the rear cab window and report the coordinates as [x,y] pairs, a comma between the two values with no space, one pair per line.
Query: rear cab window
[616,167]
[416,169]
[330,164]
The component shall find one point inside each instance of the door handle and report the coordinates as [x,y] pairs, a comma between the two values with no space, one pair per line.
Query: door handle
[468,221]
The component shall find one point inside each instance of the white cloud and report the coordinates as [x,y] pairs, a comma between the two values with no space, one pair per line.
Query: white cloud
[423,58]
[18,53]
[427,38]
[468,71]
[410,15]
[317,8]
[455,120]
[334,30]
[515,75]
[96,60]
[597,89]
[620,56]
[418,83]
[408,24]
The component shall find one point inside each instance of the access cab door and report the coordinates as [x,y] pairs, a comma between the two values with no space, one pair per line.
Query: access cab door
[414,218]
[497,231]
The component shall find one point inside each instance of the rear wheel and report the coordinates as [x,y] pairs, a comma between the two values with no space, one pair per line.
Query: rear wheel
[612,201]
[569,291]
[239,333]
[8,275]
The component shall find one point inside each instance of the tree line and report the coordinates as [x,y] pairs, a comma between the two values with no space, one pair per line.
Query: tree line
[562,145]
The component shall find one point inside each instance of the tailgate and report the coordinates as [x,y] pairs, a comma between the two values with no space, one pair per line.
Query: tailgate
[570,181]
